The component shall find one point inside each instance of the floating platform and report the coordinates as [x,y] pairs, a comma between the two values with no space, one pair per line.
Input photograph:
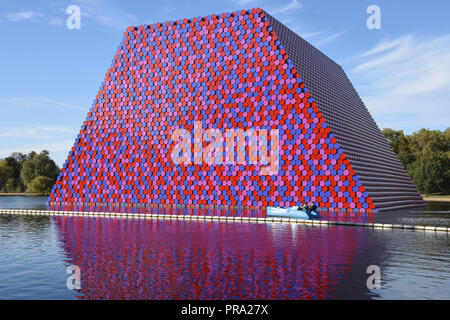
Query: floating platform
[221,218]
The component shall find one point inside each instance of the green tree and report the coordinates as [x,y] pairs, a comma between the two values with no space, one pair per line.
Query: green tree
[45,166]
[400,145]
[447,138]
[426,140]
[41,184]
[27,173]
[19,157]
[14,165]
[5,174]
[396,139]
[431,172]
[11,185]
[15,184]
[425,155]
[38,165]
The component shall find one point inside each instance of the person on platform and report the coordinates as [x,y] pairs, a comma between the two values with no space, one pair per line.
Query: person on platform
[304,207]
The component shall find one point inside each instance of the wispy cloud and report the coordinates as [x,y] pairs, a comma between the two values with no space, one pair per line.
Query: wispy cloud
[106,13]
[38,123]
[292,6]
[386,45]
[329,38]
[38,132]
[310,35]
[57,22]
[24,102]
[23,15]
[99,11]
[405,81]
[51,17]
[58,150]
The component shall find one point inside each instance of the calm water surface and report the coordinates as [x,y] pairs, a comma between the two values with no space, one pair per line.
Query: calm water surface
[164,259]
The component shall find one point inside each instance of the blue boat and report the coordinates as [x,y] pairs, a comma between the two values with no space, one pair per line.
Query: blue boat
[292,212]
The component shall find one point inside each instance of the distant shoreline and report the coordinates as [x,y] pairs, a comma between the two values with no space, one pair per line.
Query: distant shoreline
[22,194]
[434,198]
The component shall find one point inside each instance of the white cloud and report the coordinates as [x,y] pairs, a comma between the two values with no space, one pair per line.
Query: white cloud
[38,123]
[108,21]
[38,132]
[106,13]
[292,6]
[53,17]
[58,150]
[386,45]
[405,82]
[23,15]
[329,38]
[317,38]
[309,35]
[35,102]
[57,22]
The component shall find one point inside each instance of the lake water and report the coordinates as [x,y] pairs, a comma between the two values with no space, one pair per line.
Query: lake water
[167,259]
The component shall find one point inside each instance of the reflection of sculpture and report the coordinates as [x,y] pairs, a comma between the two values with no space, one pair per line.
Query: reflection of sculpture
[192,211]
[240,72]
[157,259]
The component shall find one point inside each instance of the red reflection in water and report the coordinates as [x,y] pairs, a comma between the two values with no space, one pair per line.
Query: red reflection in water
[159,259]
[193,211]
[348,216]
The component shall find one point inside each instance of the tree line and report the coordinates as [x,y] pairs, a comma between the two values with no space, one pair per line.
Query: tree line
[32,172]
[425,154]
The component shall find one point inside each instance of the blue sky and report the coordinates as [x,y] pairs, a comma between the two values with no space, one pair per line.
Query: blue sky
[50,74]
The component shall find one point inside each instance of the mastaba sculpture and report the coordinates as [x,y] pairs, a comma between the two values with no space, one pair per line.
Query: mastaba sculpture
[230,110]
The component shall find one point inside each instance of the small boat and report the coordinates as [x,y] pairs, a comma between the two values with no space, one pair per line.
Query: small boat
[292,212]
